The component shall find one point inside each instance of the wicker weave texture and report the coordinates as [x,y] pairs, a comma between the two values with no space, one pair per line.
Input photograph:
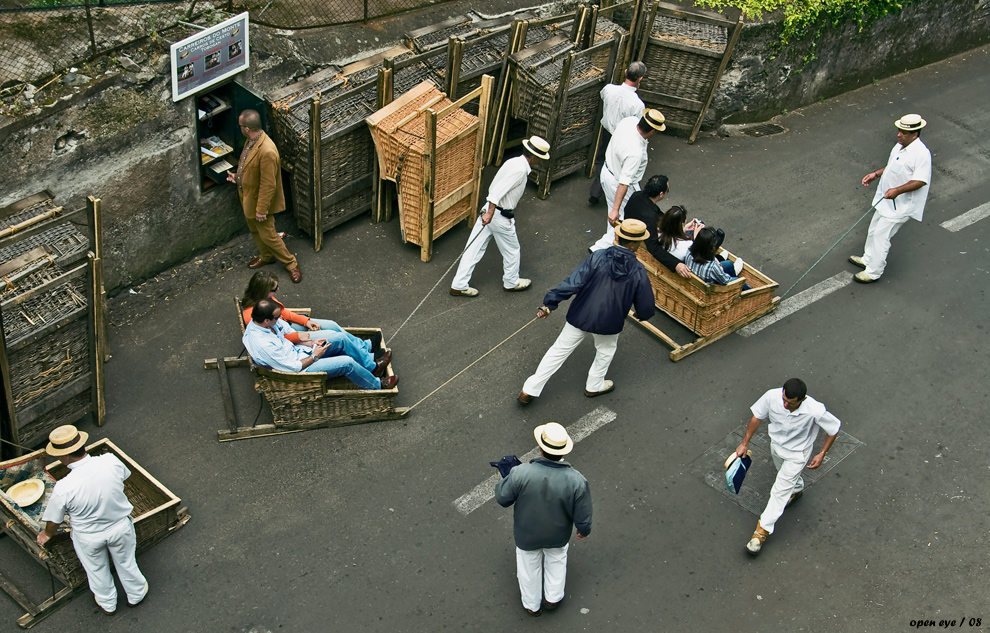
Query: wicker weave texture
[679,73]
[691,33]
[49,363]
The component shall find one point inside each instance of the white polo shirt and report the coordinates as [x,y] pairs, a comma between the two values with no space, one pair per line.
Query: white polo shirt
[619,101]
[509,183]
[626,156]
[794,430]
[92,494]
[913,162]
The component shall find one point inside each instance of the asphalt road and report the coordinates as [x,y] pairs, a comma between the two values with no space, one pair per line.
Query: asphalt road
[354,529]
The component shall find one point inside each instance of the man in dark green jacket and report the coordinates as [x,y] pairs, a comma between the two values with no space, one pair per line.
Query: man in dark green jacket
[550,496]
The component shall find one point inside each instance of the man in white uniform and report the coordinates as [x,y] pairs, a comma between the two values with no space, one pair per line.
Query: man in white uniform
[92,494]
[619,101]
[625,164]
[901,195]
[795,418]
[503,196]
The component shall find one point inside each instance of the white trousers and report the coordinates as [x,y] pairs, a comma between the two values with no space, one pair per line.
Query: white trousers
[120,542]
[878,243]
[789,465]
[609,185]
[504,231]
[541,574]
[570,337]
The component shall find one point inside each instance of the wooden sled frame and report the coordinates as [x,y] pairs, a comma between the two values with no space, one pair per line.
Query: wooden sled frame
[308,409]
[710,310]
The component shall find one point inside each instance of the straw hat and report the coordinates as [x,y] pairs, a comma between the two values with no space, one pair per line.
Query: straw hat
[910,123]
[632,230]
[655,118]
[553,439]
[537,147]
[65,440]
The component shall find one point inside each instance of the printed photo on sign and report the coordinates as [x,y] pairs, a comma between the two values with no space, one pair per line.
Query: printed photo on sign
[212,60]
[234,50]
[187,71]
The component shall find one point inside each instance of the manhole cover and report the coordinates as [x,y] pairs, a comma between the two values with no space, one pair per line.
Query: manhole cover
[767,129]
[755,491]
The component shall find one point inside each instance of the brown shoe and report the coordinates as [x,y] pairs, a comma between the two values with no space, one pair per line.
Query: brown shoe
[389,381]
[259,261]
[756,541]
[525,398]
[794,497]
[105,612]
[295,275]
[382,364]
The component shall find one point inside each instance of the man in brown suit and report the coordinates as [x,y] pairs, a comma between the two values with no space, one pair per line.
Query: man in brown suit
[259,186]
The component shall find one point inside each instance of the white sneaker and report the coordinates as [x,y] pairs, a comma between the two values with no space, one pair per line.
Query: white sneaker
[738,265]
[523,284]
[469,292]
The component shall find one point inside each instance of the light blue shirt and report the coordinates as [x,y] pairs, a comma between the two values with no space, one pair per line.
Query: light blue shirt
[268,347]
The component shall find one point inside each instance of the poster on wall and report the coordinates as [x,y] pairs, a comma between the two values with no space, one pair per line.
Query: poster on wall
[210,56]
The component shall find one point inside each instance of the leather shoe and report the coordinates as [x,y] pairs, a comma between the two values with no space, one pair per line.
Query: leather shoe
[259,261]
[105,612]
[389,381]
[863,278]
[856,259]
[522,285]
[525,398]
[295,275]
[609,386]
[536,613]
[469,292]
[794,497]
[142,599]
[593,200]
[550,606]
[382,364]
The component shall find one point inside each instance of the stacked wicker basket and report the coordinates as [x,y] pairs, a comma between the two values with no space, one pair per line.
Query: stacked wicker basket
[51,307]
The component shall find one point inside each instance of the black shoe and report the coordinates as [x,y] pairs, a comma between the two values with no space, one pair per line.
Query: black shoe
[550,606]
[593,200]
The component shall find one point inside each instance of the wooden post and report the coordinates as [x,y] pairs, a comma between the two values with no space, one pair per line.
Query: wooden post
[455,57]
[316,147]
[96,378]
[560,101]
[484,103]
[736,31]
[500,114]
[382,193]
[8,416]
[429,184]
[647,29]
[94,211]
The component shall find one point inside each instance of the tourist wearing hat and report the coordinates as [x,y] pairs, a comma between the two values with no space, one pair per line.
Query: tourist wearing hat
[498,221]
[550,497]
[92,494]
[625,164]
[901,195]
[619,101]
[605,286]
[795,419]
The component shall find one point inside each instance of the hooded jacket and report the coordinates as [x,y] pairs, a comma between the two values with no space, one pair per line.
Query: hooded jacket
[606,285]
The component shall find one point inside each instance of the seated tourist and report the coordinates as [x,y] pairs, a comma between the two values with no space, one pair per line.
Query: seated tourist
[265,340]
[673,231]
[642,206]
[701,259]
[264,285]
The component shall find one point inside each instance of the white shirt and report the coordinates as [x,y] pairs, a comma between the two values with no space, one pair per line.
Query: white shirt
[794,430]
[679,248]
[626,156]
[509,183]
[620,101]
[913,162]
[269,347]
[92,494]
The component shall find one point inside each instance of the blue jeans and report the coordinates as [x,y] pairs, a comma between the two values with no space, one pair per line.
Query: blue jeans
[347,367]
[326,325]
[730,270]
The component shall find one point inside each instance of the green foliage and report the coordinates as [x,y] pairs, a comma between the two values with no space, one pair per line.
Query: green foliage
[808,18]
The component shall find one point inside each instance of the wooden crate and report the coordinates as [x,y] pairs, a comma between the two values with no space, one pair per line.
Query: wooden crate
[156,514]
[686,52]
[432,150]
[711,311]
[53,339]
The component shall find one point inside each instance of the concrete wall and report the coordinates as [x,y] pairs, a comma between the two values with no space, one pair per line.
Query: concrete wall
[758,85]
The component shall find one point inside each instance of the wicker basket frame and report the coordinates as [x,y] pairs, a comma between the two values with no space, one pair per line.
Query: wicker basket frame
[53,342]
[156,515]
[431,148]
[711,311]
[686,51]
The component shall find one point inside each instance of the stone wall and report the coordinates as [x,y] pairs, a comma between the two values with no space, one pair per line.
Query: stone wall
[760,82]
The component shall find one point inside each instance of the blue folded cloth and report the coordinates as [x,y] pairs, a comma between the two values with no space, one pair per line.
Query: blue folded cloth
[506,464]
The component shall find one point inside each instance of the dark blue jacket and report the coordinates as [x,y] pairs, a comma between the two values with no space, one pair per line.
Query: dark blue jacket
[607,284]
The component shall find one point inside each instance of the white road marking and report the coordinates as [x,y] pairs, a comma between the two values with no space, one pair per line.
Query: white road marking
[480,494]
[970,217]
[805,297]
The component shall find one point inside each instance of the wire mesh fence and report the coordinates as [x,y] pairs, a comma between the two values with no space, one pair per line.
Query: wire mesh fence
[43,37]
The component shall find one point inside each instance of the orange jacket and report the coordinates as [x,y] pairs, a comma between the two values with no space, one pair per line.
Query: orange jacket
[287,315]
